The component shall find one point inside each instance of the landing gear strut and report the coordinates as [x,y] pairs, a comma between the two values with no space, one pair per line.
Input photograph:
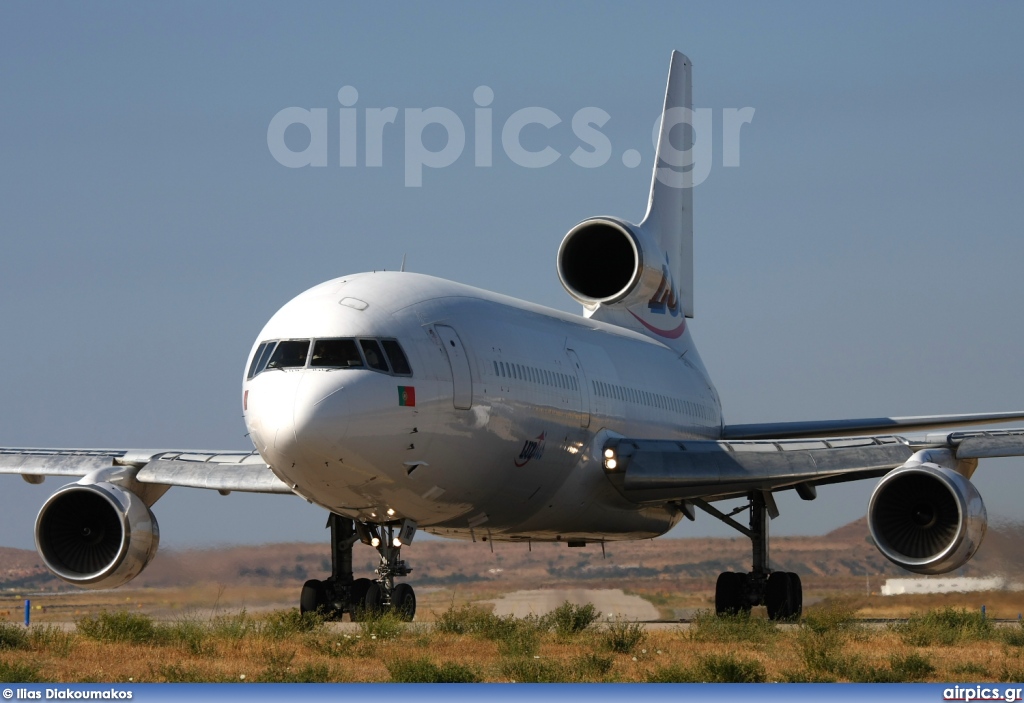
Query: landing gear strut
[341,593]
[779,591]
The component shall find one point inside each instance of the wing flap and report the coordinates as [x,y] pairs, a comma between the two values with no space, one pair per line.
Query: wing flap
[985,445]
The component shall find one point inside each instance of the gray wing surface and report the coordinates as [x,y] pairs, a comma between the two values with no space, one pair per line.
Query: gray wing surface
[646,470]
[862,426]
[216,470]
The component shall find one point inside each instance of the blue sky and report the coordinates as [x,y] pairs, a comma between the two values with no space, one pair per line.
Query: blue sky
[864,259]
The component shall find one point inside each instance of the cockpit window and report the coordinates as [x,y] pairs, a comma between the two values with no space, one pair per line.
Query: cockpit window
[256,359]
[374,356]
[259,362]
[399,364]
[336,353]
[289,354]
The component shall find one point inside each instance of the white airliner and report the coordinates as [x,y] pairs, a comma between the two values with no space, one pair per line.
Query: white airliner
[398,401]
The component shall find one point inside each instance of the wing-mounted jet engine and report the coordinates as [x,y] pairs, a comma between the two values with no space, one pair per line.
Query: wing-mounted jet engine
[927,518]
[96,535]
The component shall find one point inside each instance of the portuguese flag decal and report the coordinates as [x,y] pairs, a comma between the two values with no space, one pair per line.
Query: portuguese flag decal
[407,395]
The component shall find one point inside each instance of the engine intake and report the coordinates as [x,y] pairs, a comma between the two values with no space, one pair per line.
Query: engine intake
[926,518]
[96,535]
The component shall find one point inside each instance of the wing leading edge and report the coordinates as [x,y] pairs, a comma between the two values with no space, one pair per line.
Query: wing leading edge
[862,426]
[215,470]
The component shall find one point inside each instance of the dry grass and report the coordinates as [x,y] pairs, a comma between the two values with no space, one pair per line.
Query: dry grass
[829,645]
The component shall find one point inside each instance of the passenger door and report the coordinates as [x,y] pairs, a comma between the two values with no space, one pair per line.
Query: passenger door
[462,380]
[581,380]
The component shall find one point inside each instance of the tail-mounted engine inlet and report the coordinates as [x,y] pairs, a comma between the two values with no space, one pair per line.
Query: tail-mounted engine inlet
[604,260]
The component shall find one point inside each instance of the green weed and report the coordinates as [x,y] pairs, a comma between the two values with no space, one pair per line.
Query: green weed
[589,667]
[190,635]
[523,670]
[50,638]
[725,668]
[280,669]
[425,671]
[381,625]
[970,670]
[331,645]
[120,626]
[910,667]
[13,672]
[673,673]
[13,636]
[175,673]
[623,636]
[569,619]
[708,627]
[234,627]
[945,627]
[283,624]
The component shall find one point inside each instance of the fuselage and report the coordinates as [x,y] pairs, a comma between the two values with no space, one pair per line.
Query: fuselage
[484,422]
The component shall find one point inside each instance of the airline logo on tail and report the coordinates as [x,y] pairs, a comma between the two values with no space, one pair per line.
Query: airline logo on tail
[664,301]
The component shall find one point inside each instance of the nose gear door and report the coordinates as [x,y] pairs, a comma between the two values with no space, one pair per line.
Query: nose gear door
[462,380]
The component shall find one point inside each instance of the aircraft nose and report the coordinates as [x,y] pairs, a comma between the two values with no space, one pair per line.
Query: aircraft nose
[320,415]
[296,417]
[270,400]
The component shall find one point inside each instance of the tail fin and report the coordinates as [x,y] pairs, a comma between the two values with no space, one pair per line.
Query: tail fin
[669,218]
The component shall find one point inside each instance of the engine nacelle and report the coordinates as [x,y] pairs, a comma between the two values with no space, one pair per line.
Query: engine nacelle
[927,518]
[96,535]
[604,260]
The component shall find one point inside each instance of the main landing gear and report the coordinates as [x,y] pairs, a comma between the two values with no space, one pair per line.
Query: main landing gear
[341,593]
[779,591]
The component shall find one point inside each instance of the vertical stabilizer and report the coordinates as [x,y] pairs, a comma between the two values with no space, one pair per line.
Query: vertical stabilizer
[641,276]
[669,218]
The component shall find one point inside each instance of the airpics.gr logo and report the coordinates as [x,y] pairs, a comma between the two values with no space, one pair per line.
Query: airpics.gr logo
[407,396]
[532,449]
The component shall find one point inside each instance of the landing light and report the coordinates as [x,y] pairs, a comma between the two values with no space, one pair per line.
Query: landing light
[610,464]
[375,542]
[396,542]
[391,512]
[609,453]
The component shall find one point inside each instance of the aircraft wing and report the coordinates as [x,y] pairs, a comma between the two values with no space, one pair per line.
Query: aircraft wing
[862,426]
[216,470]
[646,470]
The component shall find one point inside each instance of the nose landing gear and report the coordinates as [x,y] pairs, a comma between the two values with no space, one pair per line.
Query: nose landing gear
[341,593]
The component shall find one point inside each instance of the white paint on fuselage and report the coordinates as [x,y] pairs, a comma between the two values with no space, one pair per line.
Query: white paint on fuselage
[520,462]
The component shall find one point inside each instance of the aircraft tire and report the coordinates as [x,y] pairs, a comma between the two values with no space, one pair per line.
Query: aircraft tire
[312,596]
[730,593]
[404,602]
[796,595]
[783,596]
[373,601]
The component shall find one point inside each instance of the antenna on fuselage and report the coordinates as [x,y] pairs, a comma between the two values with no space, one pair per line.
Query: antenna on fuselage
[403,264]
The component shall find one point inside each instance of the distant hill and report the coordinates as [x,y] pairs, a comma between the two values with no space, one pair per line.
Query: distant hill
[844,557]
